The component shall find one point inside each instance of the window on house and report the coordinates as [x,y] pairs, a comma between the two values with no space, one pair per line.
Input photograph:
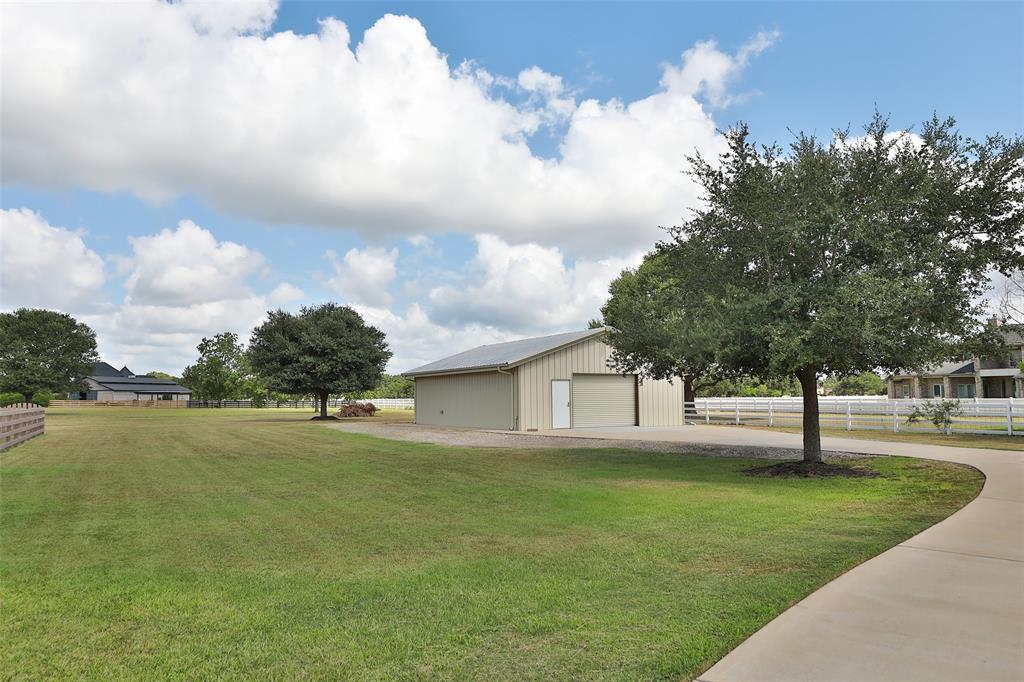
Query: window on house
[965,390]
[166,396]
[937,390]
[906,390]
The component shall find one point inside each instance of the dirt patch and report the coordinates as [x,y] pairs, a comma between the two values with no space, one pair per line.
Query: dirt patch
[476,438]
[811,470]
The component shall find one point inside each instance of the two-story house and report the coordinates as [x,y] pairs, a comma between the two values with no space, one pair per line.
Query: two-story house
[968,378]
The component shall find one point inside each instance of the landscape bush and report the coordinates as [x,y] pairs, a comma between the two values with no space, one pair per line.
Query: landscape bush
[941,413]
[357,410]
[41,398]
[11,398]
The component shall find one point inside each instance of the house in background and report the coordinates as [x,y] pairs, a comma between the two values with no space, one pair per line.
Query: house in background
[551,382]
[107,383]
[965,379]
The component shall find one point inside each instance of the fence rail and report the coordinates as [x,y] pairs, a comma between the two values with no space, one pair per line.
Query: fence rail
[19,422]
[1003,416]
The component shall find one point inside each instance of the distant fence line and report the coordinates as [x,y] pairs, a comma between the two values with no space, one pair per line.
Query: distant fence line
[383,403]
[118,403]
[1003,416]
[19,422]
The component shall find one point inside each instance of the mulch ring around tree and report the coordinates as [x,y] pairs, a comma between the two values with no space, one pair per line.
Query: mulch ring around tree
[801,469]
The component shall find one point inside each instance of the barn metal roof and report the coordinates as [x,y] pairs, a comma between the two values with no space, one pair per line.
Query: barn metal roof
[501,355]
[151,386]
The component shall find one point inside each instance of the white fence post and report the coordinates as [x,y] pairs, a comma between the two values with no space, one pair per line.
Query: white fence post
[737,411]
[707,411]
[895,417]
[849,417]
[771,412]
[1009,417]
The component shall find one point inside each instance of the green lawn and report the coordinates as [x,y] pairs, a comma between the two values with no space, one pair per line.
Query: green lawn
[253,543]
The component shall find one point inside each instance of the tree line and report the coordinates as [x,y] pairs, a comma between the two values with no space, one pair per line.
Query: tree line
[320,351]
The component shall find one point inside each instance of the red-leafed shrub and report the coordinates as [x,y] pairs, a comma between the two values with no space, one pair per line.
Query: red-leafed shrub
[357,410]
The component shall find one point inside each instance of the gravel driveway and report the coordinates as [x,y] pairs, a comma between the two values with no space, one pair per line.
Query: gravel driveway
[476,438]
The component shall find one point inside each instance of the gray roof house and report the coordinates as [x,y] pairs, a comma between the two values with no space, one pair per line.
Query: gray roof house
[968,378]
[549,382]
[107,383]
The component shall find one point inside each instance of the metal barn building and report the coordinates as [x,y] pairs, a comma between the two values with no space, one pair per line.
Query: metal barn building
[551,382]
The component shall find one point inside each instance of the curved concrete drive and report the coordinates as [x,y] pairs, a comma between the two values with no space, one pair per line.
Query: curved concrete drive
[947,604]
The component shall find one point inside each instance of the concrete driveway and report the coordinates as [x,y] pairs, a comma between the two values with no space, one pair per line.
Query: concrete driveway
[947,604]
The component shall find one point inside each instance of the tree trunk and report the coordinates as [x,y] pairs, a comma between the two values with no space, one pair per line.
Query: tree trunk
[812,428]
[689,397]
[28,396]
[323,405]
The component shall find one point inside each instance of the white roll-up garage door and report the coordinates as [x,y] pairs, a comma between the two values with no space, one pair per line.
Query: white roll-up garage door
[603,400]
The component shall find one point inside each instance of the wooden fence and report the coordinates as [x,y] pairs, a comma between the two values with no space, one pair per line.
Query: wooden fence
[19,422]
[119,403]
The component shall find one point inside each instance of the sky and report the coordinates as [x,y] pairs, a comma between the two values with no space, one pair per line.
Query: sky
[459,173]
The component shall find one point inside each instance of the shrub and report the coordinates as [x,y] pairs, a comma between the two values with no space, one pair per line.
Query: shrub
[357,410]
[939,412]
[43,398]
[11,398]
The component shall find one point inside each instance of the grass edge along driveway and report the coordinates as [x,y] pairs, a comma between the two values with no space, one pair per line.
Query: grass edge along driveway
[221,543]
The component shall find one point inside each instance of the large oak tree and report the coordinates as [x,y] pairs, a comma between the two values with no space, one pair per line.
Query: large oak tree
[830,257]
[323,350]
[44,350]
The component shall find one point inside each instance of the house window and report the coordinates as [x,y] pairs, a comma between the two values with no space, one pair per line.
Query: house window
[906,390]
[166,396]
[937,390]
[965,390]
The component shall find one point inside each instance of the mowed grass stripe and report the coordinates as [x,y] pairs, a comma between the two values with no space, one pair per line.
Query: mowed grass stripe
[242,543]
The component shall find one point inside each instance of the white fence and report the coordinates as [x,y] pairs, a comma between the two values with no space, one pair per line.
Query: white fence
[391,403]
[1004,416]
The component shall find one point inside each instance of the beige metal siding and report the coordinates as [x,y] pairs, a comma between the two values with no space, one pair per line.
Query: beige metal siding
[603,400]
[588,357]
[661,402]
[534,378]
[478,399]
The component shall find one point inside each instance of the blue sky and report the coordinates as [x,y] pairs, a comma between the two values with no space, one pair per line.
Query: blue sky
[184,168]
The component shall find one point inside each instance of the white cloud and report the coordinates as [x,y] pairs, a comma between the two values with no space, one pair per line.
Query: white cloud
[285,294]
[364,275]
[45,266]
[188,265]
[416,340]
[707,70]
[526,289]
[422,242]
[383,137]
[180,285]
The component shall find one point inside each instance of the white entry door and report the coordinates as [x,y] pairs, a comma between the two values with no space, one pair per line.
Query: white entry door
[560,404]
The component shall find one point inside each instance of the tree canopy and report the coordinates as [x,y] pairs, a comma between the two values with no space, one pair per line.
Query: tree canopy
[390,386]
[323,350]
[44,351]
[219,372]
[833,257]
[865,383]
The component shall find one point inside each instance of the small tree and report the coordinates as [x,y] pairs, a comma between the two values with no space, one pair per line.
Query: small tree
[829,258]
[43,350]
[941,413]
[323,350]
[219,372]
